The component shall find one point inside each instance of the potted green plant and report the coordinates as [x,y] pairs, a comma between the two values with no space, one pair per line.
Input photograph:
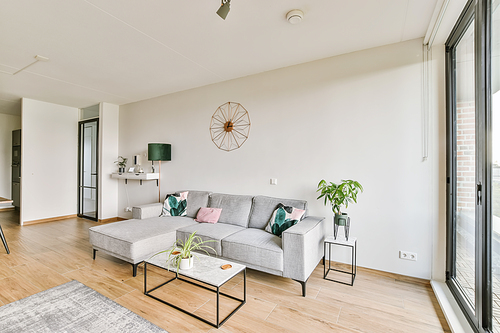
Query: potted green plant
[181,253]
[122,163]
[338,195]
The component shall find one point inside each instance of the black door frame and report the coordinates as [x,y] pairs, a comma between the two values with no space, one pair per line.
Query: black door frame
[80,170]
[480,12]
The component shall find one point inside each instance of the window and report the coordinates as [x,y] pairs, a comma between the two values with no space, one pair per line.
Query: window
[473,241]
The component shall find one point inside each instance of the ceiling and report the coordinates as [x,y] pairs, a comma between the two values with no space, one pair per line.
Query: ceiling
[122,51]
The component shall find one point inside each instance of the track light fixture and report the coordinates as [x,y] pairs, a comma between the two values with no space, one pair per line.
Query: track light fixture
[224,9]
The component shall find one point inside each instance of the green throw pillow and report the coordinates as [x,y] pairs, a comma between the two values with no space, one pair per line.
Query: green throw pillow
[283,218]
[175,205]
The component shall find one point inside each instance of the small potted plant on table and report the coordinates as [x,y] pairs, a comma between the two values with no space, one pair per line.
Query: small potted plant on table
[338,195]
[180,254]
[122,163]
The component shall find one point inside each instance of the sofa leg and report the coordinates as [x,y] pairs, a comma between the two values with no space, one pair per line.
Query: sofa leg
[303,284]
[93,254]
[134,269]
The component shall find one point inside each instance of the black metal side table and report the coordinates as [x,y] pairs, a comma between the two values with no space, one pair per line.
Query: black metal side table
[4,241]
[352,243]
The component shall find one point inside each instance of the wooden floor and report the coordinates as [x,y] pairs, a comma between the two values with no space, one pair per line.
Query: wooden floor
[49,254]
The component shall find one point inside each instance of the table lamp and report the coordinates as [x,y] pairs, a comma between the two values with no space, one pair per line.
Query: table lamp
[159,152]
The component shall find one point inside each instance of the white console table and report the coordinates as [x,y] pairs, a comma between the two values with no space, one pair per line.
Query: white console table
[136,176]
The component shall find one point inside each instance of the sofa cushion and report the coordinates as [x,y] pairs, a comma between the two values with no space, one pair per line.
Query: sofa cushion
[283,218]
[175,205]
[235,208]
[195,200]
[256,247]
[138,239]
[263,208]
[209,231]
[208,215]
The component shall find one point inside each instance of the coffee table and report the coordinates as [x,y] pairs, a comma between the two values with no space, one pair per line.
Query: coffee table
[206,270]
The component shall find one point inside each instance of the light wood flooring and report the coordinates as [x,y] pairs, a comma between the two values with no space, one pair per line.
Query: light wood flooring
[49,254]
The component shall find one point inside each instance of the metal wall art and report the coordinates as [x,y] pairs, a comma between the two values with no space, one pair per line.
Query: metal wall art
[230,126]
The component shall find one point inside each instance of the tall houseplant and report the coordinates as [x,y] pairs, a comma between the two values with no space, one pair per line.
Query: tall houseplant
[181,252]
[338,195]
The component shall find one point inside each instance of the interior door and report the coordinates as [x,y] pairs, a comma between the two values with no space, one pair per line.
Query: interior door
[88,164]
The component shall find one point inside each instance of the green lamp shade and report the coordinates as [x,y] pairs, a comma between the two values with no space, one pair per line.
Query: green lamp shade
[224,9]
[159,152]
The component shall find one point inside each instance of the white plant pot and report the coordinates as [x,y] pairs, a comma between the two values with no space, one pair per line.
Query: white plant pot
[186,263]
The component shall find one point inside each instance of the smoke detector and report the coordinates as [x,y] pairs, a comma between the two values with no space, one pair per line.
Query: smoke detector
[295,16]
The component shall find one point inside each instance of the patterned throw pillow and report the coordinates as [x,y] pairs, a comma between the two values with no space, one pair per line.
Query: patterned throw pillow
[175,205]
[283,218]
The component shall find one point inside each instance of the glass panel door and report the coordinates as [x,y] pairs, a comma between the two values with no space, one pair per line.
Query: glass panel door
[465,182]
[495,158]
[87,189]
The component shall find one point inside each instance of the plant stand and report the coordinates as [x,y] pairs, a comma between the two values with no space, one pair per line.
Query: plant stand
[352,243]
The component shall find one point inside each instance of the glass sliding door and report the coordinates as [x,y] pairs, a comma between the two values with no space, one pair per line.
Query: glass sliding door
[464,165]
[495,163]
[473,98]
[88,164]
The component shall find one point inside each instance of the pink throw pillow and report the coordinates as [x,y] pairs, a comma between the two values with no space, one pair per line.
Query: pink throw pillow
[208,215]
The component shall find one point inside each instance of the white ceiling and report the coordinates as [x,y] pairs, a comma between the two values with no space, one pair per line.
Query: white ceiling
[122,51]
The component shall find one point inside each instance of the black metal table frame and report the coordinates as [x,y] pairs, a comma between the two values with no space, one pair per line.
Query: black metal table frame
[217,291]
[354,253]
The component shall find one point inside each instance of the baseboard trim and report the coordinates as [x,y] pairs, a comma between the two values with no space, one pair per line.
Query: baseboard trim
[112,219]
[452,312]
[7,209]
[395,276]
[51,219]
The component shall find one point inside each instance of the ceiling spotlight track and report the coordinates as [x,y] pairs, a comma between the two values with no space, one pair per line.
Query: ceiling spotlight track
[224,9]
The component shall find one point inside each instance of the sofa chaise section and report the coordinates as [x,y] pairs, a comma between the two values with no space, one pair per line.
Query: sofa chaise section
[146,234]
[136,240]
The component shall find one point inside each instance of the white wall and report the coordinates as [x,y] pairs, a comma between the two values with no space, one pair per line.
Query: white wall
[49,160]
[8,123]
[108,153]
[355,116]
[437,160]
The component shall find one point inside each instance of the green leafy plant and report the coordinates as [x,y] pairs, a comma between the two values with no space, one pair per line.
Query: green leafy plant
[122,161]
[338,195]
[184,249]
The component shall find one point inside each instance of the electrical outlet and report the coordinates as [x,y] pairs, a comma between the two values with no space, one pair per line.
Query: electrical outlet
[128,209]
[274,181]
[408,255]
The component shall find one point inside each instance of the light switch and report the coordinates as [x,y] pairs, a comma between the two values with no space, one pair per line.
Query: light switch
[274,181]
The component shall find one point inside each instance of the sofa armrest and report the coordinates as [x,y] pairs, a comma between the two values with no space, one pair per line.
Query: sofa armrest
[303,247]
[147,211]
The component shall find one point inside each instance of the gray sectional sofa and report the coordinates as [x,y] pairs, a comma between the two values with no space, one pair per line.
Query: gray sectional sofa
[239,234]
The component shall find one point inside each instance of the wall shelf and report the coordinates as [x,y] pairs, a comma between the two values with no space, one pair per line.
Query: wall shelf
[136,176]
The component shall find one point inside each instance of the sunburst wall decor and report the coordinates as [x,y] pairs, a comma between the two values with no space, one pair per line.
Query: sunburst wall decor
[230,126]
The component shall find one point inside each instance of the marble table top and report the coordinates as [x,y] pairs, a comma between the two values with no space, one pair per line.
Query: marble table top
[205,269]
[341,240]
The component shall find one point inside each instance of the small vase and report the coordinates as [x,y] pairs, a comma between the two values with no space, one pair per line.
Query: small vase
[186,263]
[342,221]
[121,170]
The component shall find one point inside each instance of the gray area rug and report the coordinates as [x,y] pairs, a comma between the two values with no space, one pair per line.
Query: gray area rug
[71,307]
